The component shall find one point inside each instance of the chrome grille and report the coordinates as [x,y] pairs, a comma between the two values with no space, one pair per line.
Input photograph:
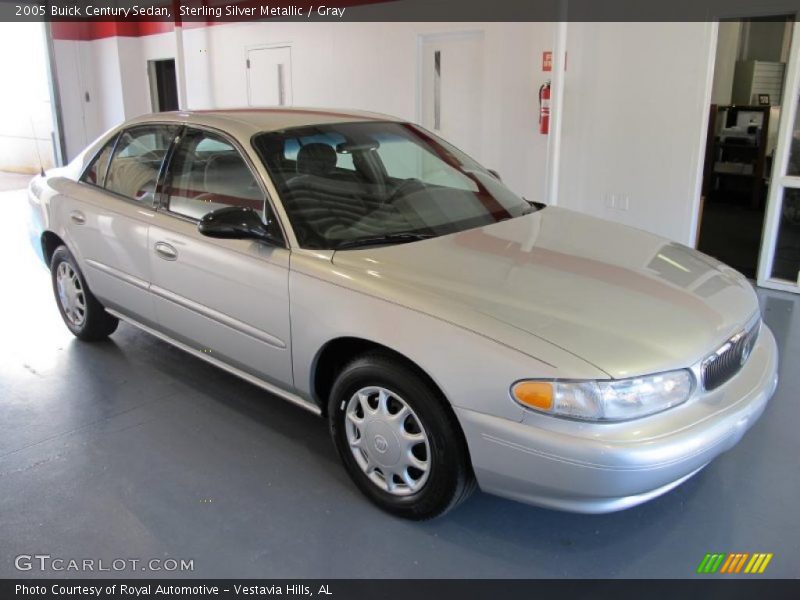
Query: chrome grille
[719,367]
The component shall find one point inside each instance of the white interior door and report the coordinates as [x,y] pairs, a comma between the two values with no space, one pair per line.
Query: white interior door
[451,88]
[779,263]
[269,76]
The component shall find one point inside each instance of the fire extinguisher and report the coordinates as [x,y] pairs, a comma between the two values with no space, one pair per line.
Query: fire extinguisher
[544,108]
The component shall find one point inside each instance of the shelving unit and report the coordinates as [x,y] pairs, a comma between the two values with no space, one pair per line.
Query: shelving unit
[735,167]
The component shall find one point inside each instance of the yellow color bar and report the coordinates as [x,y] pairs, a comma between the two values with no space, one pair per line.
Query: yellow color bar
[764,564]
[755,563]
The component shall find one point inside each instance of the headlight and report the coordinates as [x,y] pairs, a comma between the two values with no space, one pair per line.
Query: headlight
[606,400]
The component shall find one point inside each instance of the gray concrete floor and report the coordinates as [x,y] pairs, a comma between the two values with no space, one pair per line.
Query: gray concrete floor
[132,449]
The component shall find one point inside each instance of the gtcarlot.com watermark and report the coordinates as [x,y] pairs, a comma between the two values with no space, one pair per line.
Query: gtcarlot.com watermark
[57,564]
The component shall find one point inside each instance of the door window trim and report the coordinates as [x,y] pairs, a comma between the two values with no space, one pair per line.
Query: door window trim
[161,203]
[120,132]
[115,137]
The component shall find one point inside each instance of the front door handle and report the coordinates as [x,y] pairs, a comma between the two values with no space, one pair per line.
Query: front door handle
[77,217]
[166,251]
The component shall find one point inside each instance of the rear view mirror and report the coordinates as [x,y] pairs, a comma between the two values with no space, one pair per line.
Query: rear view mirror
[237,223]
[363,146]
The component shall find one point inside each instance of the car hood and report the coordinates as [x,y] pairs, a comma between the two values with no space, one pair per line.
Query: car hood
[627,301]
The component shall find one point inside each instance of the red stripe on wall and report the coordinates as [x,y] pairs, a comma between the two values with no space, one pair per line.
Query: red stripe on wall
[85,31]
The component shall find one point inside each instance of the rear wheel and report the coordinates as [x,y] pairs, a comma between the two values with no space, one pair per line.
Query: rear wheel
[398,441]
[82,313]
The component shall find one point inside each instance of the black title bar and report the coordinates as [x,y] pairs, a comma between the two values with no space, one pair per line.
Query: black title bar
[392,589]
[209,11]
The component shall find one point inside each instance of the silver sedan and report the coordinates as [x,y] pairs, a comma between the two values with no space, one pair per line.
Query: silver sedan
[451,332]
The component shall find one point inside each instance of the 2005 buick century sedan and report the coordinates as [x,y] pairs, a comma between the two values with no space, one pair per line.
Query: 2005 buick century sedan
[452,333]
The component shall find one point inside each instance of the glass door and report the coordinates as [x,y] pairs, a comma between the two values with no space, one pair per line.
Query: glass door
[779,263]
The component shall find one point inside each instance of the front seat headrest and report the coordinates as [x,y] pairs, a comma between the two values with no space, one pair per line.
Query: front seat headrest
[316,159]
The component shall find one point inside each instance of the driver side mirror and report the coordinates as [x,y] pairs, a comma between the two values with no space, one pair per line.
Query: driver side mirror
[238,223]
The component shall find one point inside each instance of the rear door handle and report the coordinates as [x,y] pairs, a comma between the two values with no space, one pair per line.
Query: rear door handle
[77,217]
[166,251]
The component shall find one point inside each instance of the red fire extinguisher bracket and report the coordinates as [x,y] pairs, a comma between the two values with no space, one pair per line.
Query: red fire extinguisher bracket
[544,108]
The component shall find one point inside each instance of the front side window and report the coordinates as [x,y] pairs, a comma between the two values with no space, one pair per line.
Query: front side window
[347,185]
[206,173]
[96,173]
[137,159]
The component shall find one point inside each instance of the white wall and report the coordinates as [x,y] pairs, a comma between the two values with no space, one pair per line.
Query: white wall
[113,71]
[25,109]
[81,94]
[371,66]
[636,98]
[635,112]
[134,56]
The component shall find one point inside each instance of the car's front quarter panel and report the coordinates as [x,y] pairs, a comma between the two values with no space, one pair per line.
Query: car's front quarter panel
[603,467]
[472,370]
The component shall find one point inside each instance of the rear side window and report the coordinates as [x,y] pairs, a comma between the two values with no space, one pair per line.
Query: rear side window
[137,159]
[96,173]
[207,173]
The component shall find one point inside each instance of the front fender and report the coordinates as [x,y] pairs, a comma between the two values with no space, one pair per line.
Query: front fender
[472,370]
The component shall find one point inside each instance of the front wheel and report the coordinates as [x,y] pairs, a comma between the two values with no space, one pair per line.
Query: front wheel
[82,313]
[398,441]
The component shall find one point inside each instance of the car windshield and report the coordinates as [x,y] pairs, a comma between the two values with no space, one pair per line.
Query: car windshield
[349,185]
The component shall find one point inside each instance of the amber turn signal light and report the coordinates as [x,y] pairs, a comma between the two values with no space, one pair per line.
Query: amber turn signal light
[536,394]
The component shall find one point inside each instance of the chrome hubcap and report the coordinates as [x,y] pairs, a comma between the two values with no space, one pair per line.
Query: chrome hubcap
[70,294]
[387,440]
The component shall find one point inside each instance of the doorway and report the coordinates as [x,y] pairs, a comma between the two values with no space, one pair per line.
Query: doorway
[269,76]
[163,85]
[450,101]
[749,75]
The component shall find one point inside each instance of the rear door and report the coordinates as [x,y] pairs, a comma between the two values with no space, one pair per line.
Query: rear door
[108,216]
[225,298]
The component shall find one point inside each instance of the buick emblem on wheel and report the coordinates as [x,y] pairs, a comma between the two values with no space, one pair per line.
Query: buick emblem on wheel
[381,445]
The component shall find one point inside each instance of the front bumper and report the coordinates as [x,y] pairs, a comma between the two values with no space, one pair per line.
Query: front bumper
[604,467]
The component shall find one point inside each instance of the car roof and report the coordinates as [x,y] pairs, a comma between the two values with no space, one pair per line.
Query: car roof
[247,121]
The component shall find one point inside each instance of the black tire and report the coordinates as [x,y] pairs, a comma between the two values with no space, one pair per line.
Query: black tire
[96,324]
[449,481]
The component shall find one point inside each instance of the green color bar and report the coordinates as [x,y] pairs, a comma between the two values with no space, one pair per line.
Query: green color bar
[712,567]
[702,567]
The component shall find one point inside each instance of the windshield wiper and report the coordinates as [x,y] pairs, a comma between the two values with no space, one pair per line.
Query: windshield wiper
[400,237]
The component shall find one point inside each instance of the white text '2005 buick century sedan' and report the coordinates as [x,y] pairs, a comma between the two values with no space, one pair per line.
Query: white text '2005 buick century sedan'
[452,333]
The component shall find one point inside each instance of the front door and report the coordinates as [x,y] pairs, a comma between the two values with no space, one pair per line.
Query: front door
[228,299]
